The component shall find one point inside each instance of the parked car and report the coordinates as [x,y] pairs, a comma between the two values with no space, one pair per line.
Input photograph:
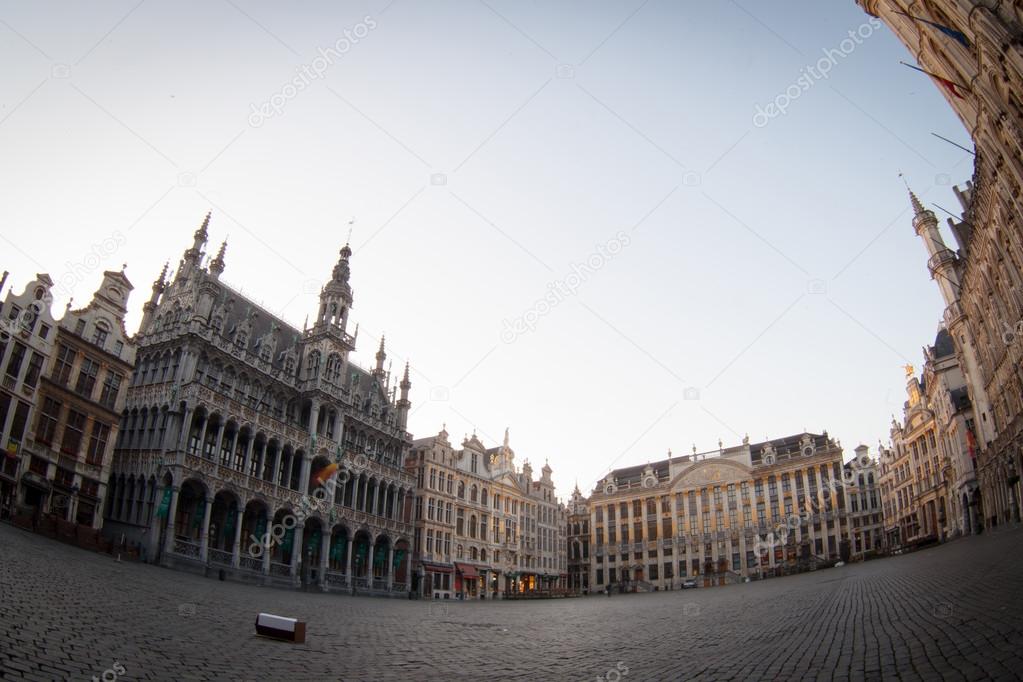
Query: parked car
[687,584]
[839,564]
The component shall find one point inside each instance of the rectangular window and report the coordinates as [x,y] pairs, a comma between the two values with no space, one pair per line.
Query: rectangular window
[46,426]
[652,568]
[14,362]
[99,337]
[19,422]
[35,367]
[87,377]
[666,528]
[111,385]
[62,366]
[73,433]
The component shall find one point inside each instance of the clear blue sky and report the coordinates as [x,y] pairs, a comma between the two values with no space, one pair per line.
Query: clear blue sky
[771,269]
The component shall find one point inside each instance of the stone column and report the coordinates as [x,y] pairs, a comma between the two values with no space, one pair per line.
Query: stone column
[185,428]
[408,570]
[348,570]
[267,551]
[297,553]
[220,442]
[236,549]
[390,567]
[369,566]
[304,471]
[324,559]
[204,541]
[248,453]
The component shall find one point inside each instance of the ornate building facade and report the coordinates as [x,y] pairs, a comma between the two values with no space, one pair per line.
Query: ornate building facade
[483,529]
[721,516]
[26,344]
[928,476]
[977,47]
[72,372]
[233,422]
[863,504]
[578,543]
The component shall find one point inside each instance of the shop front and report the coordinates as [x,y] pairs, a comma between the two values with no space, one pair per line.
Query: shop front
[437,580]
[467,581]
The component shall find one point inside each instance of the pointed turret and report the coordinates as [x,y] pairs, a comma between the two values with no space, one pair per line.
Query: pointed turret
[217,264]
[190,262]
[403,403]
[336,296]
[159,286]
[378,371]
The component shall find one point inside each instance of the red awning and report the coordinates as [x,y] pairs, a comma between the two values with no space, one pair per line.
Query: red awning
[437,568]
[467,570]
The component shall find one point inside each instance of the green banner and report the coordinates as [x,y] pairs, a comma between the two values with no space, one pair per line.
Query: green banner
[161,511]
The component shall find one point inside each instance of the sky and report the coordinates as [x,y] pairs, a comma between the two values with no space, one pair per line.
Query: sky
[581,221]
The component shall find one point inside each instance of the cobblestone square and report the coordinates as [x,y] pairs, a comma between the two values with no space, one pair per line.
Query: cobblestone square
[950,612]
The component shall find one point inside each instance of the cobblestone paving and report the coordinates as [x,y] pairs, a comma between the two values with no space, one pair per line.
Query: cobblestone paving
[948,612]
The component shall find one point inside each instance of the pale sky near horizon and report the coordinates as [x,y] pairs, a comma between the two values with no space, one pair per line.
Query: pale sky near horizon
[488,150]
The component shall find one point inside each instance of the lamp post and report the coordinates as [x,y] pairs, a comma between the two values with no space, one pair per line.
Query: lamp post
[1012,478]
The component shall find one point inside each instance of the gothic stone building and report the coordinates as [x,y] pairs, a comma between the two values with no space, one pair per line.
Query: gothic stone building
[231,412]
[978,46]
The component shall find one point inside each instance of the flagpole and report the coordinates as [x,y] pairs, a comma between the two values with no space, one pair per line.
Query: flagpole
[954,144]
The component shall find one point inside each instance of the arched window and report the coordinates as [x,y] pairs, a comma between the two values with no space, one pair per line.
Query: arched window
[313,365]
[472,526]
[461,490]
[473,554]
[460,552]
[483,497]
[474,493]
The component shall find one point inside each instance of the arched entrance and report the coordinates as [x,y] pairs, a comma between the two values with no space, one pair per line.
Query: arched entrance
[360,558]
[223,527]
[381,565]
[254,527]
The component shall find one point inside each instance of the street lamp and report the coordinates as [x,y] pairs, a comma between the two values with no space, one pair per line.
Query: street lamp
[209,545]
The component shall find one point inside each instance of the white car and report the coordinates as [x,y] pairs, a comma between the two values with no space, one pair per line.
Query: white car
[839,564]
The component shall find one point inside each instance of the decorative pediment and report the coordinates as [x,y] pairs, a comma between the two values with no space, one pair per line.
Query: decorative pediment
[715,471]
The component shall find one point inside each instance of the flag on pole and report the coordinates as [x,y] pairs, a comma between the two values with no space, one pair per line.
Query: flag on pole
[958,36]
[951,86]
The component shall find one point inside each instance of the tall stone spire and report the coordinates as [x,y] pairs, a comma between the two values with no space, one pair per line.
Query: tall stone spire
[336,296]
[217,264]
[381,356]
[190,262]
